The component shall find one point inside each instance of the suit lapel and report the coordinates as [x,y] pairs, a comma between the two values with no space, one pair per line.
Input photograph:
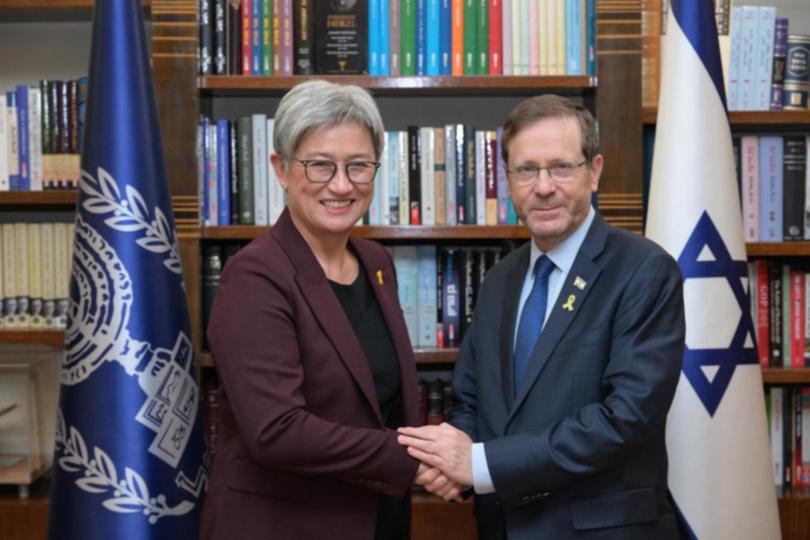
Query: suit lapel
[568,304]
[383,283]
[325,306]
[512,287]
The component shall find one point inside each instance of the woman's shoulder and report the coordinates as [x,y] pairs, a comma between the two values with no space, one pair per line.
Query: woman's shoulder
[263,256]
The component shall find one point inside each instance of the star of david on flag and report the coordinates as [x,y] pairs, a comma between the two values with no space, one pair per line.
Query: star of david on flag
[717,439]
[128,460]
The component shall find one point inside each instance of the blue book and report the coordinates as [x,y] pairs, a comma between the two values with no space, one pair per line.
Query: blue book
[421,37]
[451,299]
[24,180]
[770,189]
[446,37]
[374,37]
[426,266]
[433,25]
[223,174]
[14,146]
[384,43]
[405,262]
[205,141]
[392,152]
[256,37]
[590,37]
[573,38]
[511,215]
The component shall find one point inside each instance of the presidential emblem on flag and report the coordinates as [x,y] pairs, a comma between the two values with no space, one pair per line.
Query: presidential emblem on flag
[129,457]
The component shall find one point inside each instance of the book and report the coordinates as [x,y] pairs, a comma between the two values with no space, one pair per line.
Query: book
[246,198]
[749,173]
[341,37]
[4,146]
[406,261]
[778,73]
[206,37]
[260,164]
[763,64]
[36,319]
[35,138]
[426,269]
[770,189]
[21,270]
[797,74]
[414,175]
[219,41]
[451,301]
[223,173]
[266,60]
[793,178]
[48,275]
[211,274]
[9,277]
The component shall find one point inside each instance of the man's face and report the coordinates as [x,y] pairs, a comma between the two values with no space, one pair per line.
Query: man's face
[552,208]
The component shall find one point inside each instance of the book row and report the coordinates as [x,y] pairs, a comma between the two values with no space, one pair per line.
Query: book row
[41,129]
[437,286]
[34,275]
[774,179]
[450,175]
[789,419]
[767,66]
[398,37]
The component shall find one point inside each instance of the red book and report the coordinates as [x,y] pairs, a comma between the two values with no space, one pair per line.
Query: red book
[763,324]
[246,42]
[796,318]
[457,38]
[495,38]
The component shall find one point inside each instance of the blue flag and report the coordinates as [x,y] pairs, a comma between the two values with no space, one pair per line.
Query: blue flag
[128,462]
[717,440]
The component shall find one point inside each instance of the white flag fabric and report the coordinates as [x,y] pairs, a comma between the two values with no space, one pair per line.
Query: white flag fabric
[717,440]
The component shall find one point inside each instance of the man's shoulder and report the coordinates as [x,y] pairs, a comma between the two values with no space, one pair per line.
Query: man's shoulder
[632,247]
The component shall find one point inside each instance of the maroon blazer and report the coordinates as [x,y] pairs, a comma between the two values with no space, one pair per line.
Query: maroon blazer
[302,450]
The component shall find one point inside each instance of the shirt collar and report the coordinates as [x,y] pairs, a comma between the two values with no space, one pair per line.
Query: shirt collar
[565,252]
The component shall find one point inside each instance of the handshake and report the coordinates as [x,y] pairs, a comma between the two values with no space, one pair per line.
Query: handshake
[445,455]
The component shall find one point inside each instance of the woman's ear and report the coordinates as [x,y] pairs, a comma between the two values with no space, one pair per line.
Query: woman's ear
[281,170]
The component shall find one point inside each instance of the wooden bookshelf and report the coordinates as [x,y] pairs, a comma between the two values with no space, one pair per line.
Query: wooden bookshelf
[786,375]
[390,232]
[778,249]
[231,85]
[748,118]
[55,338]
[32,200]
[50,10]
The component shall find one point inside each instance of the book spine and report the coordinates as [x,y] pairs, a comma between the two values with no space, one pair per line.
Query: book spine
[451,300]
[392,161]
[770,178]
[341,38]
[797,74]
[276,36]
[374,37]
[223,174]
[276,191]
[482,38]
[259,126]
[495,37]
[777,428]
[13,141]
[763,66]
[220,44]
[23,277]
[395,36]
[247,38]
[778,73]
[428,181]
[501,181]
[749,174]
[590,37]
[267,38]
[439,299]
[246,210]
[35,275]
[414,175]
[439,171]
[480,178]
[213,181]
[807,188]
[451,214]
[4,147]
[202,168]
[206,46]
[746,97]
[762,312]
[796,318]
[573,38]
[506,34]
[735,59]
[457,38]
[446,37]
[211,274]
[34,138]
[491,178]
[234,34]
[421,37]
[534,39]
[787,321]
[559,24]
[48,275]
[385,50]
[433,24]
[426,268]
[23,134]
[470,29]
[793,178]
[775,312]
[9,277]
[405,262]
[403,165]
[408,37]
[233,167]
[256,37]
[286,37]
[466,273]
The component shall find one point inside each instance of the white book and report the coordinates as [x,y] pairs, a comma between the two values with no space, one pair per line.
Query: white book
[48,276]
[749,180]
[21,269]
[480,178]
[777,438]
[451,215]
[35,137]
[763,65]
[428,178]
[383,187]
[260,210]
[35,274]
[9,277]
[733,79]
[61,273]
[426,314]
[559,26]
[276,193]
[746,96]
[405,262]
[4,183]
[403,173]
[392,162]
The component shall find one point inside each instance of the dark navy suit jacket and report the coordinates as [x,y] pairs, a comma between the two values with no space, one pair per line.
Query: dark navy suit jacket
[579,451]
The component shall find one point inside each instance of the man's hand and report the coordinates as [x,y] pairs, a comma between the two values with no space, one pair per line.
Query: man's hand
[443,447]
[434,481]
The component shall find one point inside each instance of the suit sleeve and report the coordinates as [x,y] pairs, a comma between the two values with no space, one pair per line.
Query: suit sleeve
[464,414]
[253,338]
[642,372]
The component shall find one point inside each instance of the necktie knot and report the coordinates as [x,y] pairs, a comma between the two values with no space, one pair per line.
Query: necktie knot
[542,268]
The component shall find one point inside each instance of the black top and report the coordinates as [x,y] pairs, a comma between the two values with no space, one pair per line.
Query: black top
[363,311]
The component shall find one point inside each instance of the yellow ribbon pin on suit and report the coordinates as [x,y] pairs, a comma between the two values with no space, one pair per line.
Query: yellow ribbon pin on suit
[569,304]
[379,277]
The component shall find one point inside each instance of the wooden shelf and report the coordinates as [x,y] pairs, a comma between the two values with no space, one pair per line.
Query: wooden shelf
[32,337]
[51,200]
[786,375]
[391,232]
[423,356]
[401,86]
[747,118]
[50,10]
[778,249]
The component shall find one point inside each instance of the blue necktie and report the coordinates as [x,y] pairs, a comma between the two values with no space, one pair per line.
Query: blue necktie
[531,319]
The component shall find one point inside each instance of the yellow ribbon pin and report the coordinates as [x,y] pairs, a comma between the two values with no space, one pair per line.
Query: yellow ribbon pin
[379,276]
[569,304]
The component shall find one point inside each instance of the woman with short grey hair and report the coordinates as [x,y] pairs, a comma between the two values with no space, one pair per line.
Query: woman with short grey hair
[311,348]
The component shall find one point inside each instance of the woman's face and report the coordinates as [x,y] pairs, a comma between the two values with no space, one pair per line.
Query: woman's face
[335,206]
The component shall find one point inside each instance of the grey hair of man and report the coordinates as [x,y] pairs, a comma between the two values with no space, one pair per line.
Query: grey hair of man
[534,109]
[313,105]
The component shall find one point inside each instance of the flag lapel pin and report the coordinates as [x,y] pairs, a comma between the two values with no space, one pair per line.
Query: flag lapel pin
[580,283]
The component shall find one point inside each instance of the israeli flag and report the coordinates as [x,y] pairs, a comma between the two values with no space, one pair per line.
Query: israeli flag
[128,461]
[717,440]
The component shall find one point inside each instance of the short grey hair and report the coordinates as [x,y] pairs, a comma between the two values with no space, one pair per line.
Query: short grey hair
[315,104]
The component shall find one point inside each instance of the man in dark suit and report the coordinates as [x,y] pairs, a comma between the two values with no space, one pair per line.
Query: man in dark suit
[566,375]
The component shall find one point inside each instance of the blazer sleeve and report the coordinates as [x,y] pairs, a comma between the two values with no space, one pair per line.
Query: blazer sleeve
[464,414]
[254,341]
[640,379]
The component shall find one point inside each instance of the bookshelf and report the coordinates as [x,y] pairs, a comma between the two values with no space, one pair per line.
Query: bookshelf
[749,118]
[38,200]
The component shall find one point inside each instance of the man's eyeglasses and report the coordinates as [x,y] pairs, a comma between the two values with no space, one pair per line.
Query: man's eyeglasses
[321,171]
[559,172]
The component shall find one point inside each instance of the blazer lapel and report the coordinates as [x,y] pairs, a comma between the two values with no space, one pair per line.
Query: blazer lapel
[327,309]
[568,304]
[383,283]
[512,288]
